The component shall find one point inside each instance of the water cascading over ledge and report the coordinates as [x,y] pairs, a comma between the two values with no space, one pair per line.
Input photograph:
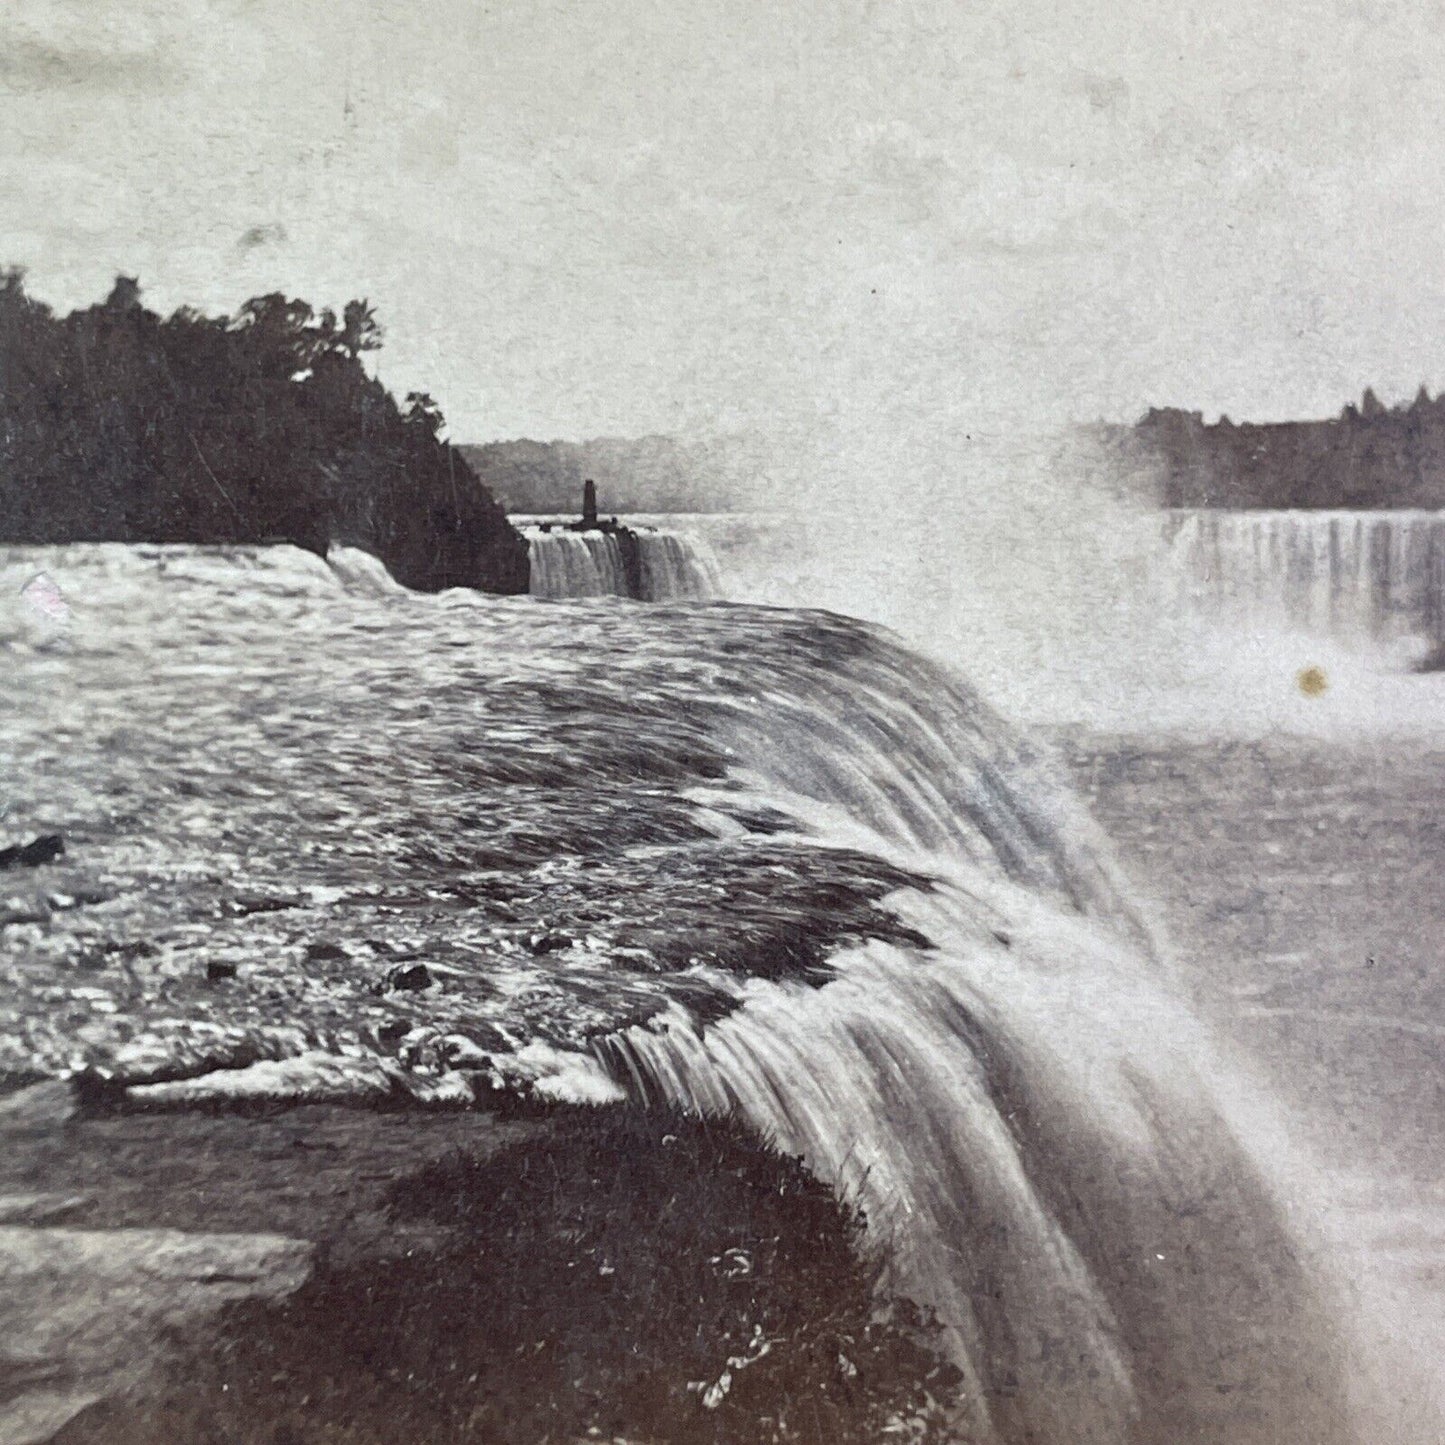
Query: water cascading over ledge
[1355,576]
[610,840]
[645,563]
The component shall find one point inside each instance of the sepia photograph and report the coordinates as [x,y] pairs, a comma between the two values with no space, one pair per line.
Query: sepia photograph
[722,723]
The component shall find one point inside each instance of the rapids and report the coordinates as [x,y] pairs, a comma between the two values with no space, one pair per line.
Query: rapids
[734,858]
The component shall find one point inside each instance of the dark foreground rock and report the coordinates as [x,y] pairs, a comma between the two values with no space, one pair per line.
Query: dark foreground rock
[589,1274]
[118,1233]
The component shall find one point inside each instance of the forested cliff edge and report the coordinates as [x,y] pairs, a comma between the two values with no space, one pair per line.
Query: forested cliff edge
[1369,456]
[119,426]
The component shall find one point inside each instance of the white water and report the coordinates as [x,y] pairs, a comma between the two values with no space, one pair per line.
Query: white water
[576,564]
[672,565]
[361,572]
[1050,1150]
[1060,1160]
[676,566]
[1357,577]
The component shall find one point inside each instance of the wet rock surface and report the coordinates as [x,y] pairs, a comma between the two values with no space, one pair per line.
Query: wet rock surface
[34,854]
[78,1306]
[121,1238]
[669,1281]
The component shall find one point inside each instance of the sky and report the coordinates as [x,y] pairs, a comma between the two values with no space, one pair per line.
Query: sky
[632,216]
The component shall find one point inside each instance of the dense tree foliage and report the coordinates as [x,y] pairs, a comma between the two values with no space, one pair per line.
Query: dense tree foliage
[1370,456]
[117,425]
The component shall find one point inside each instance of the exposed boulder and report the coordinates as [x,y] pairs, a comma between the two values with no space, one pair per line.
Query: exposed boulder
[38,851]
[407,978]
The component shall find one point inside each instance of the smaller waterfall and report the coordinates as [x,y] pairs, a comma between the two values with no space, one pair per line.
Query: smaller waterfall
[647,564]
[359,571]
[577,564]
[1356,576]
[677,566]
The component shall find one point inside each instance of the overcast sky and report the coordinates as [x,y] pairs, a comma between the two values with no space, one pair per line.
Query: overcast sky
[633,215]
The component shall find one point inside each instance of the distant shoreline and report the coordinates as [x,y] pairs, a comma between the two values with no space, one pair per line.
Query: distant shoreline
[1369,458]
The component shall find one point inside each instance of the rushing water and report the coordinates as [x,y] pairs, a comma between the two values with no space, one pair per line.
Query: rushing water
[649,564]
[1356,576]
[1130,623]
[612,833]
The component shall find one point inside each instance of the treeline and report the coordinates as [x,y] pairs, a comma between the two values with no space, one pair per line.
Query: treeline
[118,425]
[1370,456]
[641,474]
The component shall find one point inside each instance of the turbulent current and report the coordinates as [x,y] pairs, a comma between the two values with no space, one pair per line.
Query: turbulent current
[327,837]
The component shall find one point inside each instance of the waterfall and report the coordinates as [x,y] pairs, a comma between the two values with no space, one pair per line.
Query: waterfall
[1042,1145]
[1356,576]
[576,564]
[648,564]
[676,566]
[1049,1150]
[359,571]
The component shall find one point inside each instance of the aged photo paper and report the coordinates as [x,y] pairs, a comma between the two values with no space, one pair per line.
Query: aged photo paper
[722,722]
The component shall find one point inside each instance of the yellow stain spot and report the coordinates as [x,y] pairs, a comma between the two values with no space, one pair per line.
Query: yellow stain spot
[1312,681]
